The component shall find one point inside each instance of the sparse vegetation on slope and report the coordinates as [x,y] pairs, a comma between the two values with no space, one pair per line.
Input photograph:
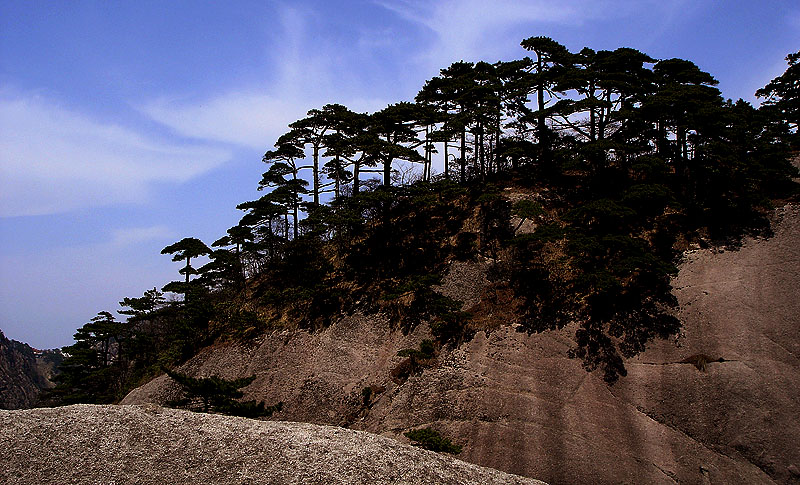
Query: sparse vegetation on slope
[622,162]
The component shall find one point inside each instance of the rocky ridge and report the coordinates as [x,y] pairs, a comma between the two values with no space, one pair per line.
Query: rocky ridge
[24,373]
[152,445]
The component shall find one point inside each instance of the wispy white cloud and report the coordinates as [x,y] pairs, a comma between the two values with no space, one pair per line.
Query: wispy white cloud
[471,29]
[306,72]
[54,159]
[483,30]
[250,119]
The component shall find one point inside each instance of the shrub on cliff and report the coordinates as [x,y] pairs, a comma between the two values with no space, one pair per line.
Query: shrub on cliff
[430,439]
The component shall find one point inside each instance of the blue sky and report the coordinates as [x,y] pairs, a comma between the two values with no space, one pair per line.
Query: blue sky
[127,125]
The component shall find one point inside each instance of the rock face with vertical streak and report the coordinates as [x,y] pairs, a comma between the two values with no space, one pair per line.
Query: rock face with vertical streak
[717,404]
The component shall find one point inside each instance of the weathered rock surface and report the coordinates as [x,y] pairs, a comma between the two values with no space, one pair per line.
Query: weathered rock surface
[518,404]
[153,445]
[24,373]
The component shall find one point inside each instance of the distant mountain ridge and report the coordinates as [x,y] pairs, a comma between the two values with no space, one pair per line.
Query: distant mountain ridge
[24,373]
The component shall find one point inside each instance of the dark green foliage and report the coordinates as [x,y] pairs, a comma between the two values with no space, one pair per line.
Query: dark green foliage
[187,248]
[249,409]
[214,394]
[92,372]
[236,323]
[629,160]
[366,395]
[426,351]
[416,360]
[449,322]
[430,439]
[783,93]
[140,308]
[466,248]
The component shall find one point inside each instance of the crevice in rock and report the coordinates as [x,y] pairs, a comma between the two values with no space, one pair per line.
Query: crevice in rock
[668,473]
[739,457]
[700,361]
[781,346]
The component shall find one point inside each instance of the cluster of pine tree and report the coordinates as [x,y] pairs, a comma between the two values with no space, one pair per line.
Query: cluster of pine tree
[626,160]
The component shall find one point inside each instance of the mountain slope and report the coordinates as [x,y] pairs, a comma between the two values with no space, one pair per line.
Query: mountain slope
[24,373]
[518,404]
[151,445]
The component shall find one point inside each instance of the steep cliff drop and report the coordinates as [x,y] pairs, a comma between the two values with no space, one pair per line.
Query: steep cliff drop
[24,373]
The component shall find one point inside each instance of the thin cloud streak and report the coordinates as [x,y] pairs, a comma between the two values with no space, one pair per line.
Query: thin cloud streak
[306,73]
[462,29]
[53,160]
[249,119]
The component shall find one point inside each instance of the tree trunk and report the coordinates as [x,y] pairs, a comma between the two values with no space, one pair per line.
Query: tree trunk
[316,174]
[463,155]
[446,165]
[356,167]
[337,179]
[482,157]
[592,120]
[475,157]
[387,166]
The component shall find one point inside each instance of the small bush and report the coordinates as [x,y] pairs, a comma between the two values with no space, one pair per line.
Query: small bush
[426,351]
[249,409]
[214,394]
[366,395]
[430,439]
[466,247]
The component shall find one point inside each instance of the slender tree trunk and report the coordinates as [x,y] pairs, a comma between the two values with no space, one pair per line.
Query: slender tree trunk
[463,155]
[482,157]
[541,122]
[316,174]
[446,165]
[496,152]
[387,171]
[541,126]
[475,157]
[592,116]
[601,124]
[295,221]
[356,167]
[295,203]
[387,166]
[337,178]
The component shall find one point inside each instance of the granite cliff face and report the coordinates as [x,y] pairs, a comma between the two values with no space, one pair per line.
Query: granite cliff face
[717,404]
[24,373]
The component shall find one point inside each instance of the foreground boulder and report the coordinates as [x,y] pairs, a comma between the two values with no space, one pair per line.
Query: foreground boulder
[153,445]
